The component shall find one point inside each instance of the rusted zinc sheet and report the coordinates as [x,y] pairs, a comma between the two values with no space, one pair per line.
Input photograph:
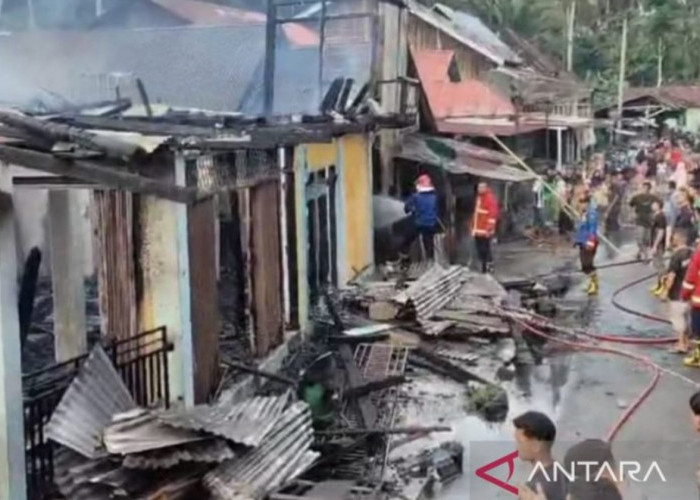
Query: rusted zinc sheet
[266,268]
[209,451]
[86,409]
[281,457]
[206,325]
[113,213]
[247,422]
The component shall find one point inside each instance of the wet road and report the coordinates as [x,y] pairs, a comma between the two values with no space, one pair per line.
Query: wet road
[586,394]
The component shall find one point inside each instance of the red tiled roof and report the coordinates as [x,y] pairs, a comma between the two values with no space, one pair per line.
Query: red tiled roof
[210,14]
[455,99]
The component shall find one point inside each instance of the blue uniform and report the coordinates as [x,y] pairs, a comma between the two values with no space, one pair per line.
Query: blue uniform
[423,206]
[587,227]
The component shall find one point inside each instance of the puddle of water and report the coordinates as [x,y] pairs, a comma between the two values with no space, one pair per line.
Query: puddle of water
[436,401]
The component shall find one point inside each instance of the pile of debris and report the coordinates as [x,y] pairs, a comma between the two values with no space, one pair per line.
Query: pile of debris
[234,449]
[443,302]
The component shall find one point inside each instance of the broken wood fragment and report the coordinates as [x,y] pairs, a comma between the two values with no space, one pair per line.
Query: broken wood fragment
[447,368]
[256,371]
[375,385]
[386,430]
[110,146]
[107,176]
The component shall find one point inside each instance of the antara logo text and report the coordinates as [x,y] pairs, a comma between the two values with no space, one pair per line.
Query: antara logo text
[587,471]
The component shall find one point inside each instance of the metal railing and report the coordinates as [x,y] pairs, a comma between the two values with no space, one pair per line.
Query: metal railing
[142,362]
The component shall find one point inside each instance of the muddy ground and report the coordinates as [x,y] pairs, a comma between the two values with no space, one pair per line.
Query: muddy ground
[584,393]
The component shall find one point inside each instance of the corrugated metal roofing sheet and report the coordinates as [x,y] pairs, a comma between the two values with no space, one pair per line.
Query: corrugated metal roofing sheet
[469,159]
[475,30]
[680,96]
[209,451]
[139,430]
[433,291]
[95,395]
[247,422]
[463,33]
[448,98]
[282,456]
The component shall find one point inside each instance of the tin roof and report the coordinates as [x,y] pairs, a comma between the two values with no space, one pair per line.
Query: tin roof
[449,98]
[475,30]
[465,29]
[678,96]
[247,422]
[86,409]
[465,158]
[283,455]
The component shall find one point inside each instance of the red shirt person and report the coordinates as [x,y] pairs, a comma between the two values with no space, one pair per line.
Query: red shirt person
[484,224]
[691,293]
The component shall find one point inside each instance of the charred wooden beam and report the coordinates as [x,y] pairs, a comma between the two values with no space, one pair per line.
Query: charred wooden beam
[375,385]
[27,292]
[446,368]
[256,371]
[51,182]
[56,132]
[385,430]
[113,177]
[144,97]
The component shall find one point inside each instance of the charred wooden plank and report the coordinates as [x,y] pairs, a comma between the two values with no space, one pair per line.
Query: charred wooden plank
[112,147]
[386,430]
[375,385]
[113,177]
[447,368]
[256,371]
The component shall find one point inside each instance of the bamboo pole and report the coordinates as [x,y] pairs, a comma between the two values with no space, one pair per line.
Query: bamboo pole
[570,210]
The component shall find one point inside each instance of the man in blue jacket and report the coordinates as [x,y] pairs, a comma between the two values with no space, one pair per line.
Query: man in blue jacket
[422,205]
[587,242]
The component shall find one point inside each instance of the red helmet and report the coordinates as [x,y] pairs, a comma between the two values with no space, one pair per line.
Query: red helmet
[424,182]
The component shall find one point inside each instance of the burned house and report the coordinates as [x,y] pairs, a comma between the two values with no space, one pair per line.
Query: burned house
[213,232]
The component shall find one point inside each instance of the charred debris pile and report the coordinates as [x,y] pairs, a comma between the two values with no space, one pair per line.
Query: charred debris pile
[322,427]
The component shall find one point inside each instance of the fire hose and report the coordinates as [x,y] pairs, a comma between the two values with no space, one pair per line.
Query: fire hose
[655,369]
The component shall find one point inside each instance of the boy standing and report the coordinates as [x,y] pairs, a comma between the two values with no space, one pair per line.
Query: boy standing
[673,285]
[587,242]
[534,436]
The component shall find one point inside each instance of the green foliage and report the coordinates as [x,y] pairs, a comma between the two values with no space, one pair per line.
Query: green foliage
[666,30]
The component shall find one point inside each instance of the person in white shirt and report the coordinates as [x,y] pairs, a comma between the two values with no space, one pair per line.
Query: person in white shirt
[538,208]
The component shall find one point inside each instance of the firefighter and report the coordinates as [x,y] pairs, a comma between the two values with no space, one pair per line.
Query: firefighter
[422,205]
[691,292]
[587,242]
[484,225]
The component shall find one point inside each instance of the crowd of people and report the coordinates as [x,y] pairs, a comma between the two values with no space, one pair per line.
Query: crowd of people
[661,192]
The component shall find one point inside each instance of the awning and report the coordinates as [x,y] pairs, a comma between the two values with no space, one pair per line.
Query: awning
[509,126]
[460,158]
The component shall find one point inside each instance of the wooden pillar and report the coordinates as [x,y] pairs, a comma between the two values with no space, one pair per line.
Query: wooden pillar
[560,145]
[12,466]
[163,257]
[68,282]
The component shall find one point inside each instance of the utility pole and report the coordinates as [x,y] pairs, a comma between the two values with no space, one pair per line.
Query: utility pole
[623,65]
[571,23]
[660,67]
